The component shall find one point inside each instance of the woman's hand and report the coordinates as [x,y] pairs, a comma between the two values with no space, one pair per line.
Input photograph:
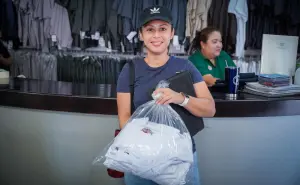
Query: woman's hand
[168,96]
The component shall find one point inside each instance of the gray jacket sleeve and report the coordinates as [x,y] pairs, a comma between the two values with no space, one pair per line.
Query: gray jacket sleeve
[99,15]
[87,15]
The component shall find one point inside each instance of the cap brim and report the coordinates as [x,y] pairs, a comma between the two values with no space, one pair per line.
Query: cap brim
[155,18]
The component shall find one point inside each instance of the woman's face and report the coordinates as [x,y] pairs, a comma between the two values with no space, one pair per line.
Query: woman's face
[213,45]
[156,36]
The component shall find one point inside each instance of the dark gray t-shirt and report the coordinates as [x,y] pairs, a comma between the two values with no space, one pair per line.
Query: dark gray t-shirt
[146,77]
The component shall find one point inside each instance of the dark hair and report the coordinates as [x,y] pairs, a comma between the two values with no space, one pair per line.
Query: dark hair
[201,36]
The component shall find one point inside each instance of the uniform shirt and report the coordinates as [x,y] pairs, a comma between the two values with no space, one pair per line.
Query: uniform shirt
[205,66]
[4,52]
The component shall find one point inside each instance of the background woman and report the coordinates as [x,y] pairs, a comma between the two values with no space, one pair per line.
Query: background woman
[208,56]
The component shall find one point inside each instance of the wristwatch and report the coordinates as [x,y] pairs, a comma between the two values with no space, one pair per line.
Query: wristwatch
[186,99]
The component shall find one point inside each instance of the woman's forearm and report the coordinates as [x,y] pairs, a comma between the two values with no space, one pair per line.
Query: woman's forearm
[210,80]
[201,107]
[123,120]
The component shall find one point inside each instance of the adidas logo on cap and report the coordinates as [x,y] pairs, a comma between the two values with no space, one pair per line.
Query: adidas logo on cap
[154,10]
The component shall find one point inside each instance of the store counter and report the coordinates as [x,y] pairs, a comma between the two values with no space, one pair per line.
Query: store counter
[51,131]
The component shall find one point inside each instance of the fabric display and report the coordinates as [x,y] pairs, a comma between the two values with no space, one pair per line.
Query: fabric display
[274,80]
[111,26]
[163,151]
[249,64]
[196,16]
[40,22]
[271,17]
[34,65]
[117,21]
[89,68]
[219,17]
[240,9]
[77,67]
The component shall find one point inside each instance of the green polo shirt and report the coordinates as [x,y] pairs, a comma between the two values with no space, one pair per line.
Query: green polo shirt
[205,66]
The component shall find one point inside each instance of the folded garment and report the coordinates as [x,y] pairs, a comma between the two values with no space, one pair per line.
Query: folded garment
[246,75]
[152,151]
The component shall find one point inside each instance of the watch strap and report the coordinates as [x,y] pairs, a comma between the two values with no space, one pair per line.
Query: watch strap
[186,100]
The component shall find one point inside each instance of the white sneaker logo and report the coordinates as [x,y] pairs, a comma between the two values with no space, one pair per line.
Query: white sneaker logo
[154,10]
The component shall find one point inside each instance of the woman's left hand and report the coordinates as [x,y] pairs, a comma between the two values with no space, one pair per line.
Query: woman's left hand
[168,96]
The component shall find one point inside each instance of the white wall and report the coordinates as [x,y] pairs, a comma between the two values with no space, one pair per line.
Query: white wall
[43,147]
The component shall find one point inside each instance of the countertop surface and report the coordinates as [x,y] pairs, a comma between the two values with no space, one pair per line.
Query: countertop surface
[101,99]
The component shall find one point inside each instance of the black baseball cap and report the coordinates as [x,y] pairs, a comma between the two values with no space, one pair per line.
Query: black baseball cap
[155,13]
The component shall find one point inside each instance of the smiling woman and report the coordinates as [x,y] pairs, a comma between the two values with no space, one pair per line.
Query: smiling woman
[156,31]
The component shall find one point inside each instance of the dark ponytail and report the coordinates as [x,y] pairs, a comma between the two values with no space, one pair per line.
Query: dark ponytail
[203,36]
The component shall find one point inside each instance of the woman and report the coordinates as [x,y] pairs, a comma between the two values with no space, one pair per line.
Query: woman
[156,32]
[208,56]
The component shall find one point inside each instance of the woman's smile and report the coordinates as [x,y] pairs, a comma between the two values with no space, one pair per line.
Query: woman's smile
[156,43]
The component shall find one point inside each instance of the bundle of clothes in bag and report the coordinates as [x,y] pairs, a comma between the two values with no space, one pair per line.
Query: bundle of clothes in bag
[154,144]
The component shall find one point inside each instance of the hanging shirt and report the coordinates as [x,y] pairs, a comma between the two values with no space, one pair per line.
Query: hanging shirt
[87,15]
[240,9]
[98,16]
[60,26]
[77,7]
[148,3]
[42,15]
[178,15]
[196,16]
[219,18]
[205,66]
[8,20]
[180,29]
[125,9]
[64,3]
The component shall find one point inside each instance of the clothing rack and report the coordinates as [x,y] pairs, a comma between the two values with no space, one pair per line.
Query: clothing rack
[34,64]
[114,54]
[72,65]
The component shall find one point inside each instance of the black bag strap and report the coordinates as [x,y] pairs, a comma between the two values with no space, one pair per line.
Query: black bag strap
[131,83]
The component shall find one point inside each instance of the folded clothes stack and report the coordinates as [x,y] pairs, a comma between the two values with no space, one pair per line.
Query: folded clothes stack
[274,80]
[4,77]
[160,153]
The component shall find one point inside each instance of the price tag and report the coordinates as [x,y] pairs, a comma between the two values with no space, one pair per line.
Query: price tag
[109,47]
[97,35]
[131,35]
[122,47]
[101,42]
[82,35]
[53,38]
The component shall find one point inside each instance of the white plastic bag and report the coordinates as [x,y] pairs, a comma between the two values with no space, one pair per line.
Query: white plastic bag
[154,144]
